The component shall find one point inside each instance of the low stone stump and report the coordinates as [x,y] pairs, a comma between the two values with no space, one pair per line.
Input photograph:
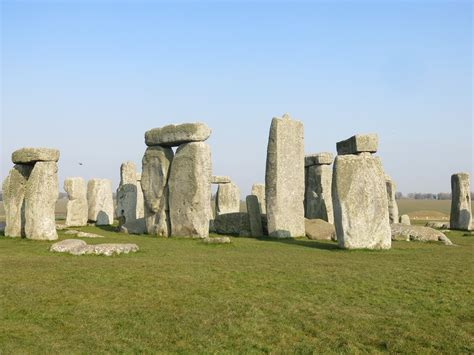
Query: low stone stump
[79,247]
[437,225]
[418,233]
[216,240]
[231,224]
[318,229]
[405,219]
[80,234]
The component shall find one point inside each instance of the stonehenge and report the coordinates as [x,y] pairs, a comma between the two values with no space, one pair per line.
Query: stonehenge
[100,202]
[227,198]
[177,187]
[30,194]
[259,191]
[461,213]
[405,219]
[318,182]
[392,202]
[77,209]
[284,178]
[360,196]
[254,215]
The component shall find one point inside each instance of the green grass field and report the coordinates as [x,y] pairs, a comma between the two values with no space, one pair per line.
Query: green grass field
[251,296]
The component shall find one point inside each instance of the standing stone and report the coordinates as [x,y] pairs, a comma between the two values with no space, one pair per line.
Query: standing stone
[100,201]
[461,213]
[360,202]
[14,189]
[318,186]
[77,209]
[405,219]
[227,198]
[255,216]
[392,202]
[140,198]
[190,191]
[127,193]
[284,178]
[156,165]
[259,191]
[40,201]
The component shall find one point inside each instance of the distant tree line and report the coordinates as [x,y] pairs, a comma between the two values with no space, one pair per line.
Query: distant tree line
[426,196]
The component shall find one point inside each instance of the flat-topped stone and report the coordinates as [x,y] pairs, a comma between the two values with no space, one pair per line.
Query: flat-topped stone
[79,247]
[359,143]
[418,233]
[324,158]
[175,135]
[220,179]
[33,155]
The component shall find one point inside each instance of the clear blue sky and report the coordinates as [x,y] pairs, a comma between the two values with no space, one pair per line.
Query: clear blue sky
[90,77]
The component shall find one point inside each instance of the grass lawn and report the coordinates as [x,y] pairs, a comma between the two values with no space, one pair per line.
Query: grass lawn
[251,296]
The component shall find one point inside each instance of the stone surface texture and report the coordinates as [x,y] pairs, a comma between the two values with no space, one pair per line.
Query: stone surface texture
[359,143]
[175,135]
[227,198]
[40,202]
[220,179]
[392,202]
[360,202]
[323,158]
[190,191]
[100,201]
[284,179]
[318,229]
[231,224]
[461,212]
[405,219]
[418,233]
[255,216]
[33,155]
[127,193]
[217,240]
[79,247]
[77,209]
[318,193]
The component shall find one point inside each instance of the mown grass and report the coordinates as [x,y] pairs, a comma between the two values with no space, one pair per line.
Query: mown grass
[251,296]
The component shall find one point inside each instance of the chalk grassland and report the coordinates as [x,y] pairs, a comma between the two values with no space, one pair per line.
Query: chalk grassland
[251,296]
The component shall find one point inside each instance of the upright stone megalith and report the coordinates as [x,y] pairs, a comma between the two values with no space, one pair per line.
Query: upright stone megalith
[14,189]
[227,198]
[127,193]
[190,190]
[284,178]
[461,213]
[100,201]
[30,194]
[255,216]
[360,196]
[40,201]
[392,202]
[140,198]
[318,182]
[156,165]
[77,209]
[259,191]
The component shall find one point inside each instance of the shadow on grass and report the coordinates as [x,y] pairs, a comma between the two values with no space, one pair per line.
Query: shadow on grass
[304,243]
[108,228]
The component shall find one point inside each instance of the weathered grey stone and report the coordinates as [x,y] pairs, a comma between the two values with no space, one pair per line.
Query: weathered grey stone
[318,191]
[360,202]
[156,166]
[255,216]
[405,219]
[100,201]
[259,191]
[323,158]
[140,198]
[137,226]
[359,143]
[232,223]
[14,189]
[392,202]
[79,247]
[60,226]
[77,209]
[318,229]
[80,234]
[175,135]
[461,213]
[40,202]
[284,178]
[127,193]
[190,191]
[217,240]
[227,198]
[418,233]
[220,179]
[33,155]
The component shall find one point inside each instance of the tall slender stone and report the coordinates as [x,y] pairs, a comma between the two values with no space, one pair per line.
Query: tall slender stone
[255,216]
[318,182]
[461,213]
[14,189]
[360,199]
[227,198]
[140,198]
[40,201]
[127,193]
[392,202]
[77,209]
[100,201]
[259,191]
[156,166]
[190,190]
[284,178]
